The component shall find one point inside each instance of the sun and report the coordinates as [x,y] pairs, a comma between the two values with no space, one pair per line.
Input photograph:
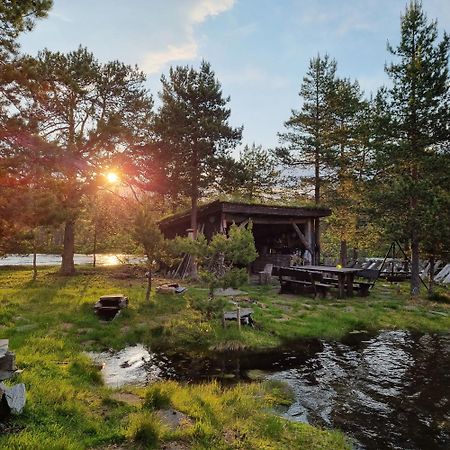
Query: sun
[112,177]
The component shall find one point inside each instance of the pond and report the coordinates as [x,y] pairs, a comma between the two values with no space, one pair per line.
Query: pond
[391,390]
[106,259]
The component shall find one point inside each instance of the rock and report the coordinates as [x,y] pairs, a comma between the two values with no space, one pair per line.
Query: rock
[256,375]
[174,419]
[12,399]
[228,292]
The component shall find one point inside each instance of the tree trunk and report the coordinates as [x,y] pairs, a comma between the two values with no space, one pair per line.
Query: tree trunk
[149,285]
[94,250]
[317,178]
[194,226]
[34,264]
[355,254]
[431,275]
[415,273]
[67,265]
[343,253]
[316,250]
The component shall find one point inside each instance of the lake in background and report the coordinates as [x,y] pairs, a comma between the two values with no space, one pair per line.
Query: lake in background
[108,259]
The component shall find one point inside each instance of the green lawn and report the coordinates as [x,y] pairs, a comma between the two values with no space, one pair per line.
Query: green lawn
[50,322]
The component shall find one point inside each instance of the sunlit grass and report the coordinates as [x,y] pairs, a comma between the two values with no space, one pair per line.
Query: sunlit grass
[50,322]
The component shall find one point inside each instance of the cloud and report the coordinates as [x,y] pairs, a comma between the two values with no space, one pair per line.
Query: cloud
[153,62]
[189,14]
[206,8]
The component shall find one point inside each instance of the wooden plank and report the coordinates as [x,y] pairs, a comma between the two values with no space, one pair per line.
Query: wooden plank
[302,237]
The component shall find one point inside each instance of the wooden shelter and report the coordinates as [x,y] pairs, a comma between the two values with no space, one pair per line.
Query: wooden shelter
[279,231]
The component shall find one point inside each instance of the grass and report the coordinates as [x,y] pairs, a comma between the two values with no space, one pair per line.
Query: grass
[50,322]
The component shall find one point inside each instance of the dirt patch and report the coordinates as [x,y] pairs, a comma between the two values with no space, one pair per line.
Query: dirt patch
[175,446]
[127,397]
[67,326]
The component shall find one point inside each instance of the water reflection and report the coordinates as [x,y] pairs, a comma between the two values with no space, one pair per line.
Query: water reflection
[55,260]
[392,392]
[389,391]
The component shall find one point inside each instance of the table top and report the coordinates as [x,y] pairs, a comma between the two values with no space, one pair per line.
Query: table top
[330,269]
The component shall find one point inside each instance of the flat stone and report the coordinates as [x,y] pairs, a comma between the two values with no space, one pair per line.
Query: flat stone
[174,419]
[127,397]
[228,292]
[256,374]
[15,397]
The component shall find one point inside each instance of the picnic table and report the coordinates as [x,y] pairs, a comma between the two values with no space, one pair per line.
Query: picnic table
[345,277]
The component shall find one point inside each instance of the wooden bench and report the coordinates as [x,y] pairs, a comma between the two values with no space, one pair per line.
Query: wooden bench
[299,281]
[362,287]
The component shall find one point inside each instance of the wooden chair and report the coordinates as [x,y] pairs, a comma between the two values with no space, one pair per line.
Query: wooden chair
[266,274]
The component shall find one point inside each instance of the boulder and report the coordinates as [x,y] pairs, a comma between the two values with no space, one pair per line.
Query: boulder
[12,400]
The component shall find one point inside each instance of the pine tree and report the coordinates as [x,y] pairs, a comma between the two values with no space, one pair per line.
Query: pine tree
[81,112]
[414,125]
[257,175]
[346,161]
[193,135]
[306,140]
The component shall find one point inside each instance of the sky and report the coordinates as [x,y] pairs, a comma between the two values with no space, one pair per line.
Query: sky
[259,49]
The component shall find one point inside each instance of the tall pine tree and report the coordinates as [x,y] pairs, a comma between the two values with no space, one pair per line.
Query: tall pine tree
[415,126]
[193,134]
[306,141]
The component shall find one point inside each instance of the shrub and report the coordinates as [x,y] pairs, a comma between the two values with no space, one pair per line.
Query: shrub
[144,428]
[156,397]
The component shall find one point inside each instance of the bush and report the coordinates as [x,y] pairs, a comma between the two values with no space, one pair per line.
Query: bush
[209,307]
[145,429]
[235,278]
[156,398]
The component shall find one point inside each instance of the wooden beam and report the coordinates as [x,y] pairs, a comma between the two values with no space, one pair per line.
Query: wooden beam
[263,220]
[301,236]
[244,223]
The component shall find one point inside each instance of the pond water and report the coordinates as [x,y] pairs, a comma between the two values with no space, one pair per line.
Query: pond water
[106,259]
[388,391]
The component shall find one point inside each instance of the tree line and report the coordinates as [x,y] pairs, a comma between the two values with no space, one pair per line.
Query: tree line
[380,163]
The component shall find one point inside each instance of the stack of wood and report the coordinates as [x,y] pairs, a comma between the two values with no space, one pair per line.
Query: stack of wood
[7,361]
[12,399]
[110,305]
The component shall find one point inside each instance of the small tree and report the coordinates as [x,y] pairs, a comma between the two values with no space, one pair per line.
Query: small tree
[147,233]
[221,257]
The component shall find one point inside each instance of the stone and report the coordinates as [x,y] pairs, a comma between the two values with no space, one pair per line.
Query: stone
[228,292]
[12,399]
[174,419]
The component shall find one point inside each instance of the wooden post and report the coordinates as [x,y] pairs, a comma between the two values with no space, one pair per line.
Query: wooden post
[238,316]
